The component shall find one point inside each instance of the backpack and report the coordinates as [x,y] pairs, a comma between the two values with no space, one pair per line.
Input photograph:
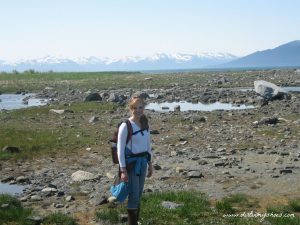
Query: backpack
[114,140]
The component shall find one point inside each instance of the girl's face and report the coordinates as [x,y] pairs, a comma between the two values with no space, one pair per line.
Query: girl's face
[137,110]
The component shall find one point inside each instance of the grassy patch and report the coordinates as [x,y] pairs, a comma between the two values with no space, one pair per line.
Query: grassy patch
[195,209]
[282,215]
[12,212]
[59,219]
[37,132]
[295,205]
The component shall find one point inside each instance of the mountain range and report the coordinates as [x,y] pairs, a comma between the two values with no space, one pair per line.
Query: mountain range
[286,55]
[283,56]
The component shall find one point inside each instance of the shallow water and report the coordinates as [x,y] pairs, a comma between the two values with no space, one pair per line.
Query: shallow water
[15,101]
[11,189]
[186,106]
[287,89]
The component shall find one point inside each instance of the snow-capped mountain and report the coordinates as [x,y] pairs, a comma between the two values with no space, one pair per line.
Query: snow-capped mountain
[159,61]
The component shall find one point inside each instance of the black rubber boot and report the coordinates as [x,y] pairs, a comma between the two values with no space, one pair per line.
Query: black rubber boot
[138,214]
[132,216]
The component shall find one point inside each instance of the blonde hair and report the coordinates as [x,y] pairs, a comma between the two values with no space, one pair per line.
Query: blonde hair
[134,101]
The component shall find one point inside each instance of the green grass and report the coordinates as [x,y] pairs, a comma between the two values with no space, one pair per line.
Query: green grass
[37,132]
[35,81]
[58,219]
[196,209]
[15,214]
[282,215]
[295,205]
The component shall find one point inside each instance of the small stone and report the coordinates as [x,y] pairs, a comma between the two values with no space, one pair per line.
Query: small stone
[123,218]
[58,205]
[93,119]
[219,164]
[157,167]
[170,205]
[21,179]
[111,199]
[49,189]
[202,162]
[11,149]
[195,174]
[70,198]
[179,169]
[110,175]
[36,198]
[285,171]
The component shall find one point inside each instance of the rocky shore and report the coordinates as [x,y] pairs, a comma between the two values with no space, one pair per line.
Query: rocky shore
[254,151]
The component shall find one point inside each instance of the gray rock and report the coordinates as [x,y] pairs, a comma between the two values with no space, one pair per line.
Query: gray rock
[113,98]
[140,94]
[21,179]
[36,198]
[7,179]
[69,198]
[58,205]
[99,200]
[80,176]
[61,111]
[93,97]
[93,119]
[202,162]
[35,220]
[194,174]
[177,108]
[11,149]
[123,218]
[268,90]
[285,171]
[170,205]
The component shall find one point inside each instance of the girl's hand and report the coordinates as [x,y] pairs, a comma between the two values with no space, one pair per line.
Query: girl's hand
[124,176]
[150,170]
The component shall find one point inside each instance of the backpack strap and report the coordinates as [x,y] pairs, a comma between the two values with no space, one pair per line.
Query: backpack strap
[134,133]
[129,130]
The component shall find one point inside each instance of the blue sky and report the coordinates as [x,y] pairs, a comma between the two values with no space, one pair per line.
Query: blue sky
[117,28]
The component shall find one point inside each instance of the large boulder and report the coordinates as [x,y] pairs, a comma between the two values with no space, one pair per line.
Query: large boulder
[93,97]
[80,176]
[268,90]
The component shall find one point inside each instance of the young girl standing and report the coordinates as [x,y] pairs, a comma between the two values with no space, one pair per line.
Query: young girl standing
[135,156]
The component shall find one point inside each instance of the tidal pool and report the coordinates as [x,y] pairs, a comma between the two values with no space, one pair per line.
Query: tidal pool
[186,106]
[15,101]
[11,189]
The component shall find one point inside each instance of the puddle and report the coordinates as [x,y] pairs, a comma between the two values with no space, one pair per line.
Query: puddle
[287,89]
[292,89]
[186,106]
[15,101]
[11,189]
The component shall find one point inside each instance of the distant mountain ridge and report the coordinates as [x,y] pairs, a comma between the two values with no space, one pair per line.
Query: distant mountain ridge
[159,61]
[286,55]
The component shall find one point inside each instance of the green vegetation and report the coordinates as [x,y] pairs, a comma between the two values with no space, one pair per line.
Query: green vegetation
[196,209]
[59,219]
[33,81]
[36,131]
[281,215]
[12,212]
[295,205]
